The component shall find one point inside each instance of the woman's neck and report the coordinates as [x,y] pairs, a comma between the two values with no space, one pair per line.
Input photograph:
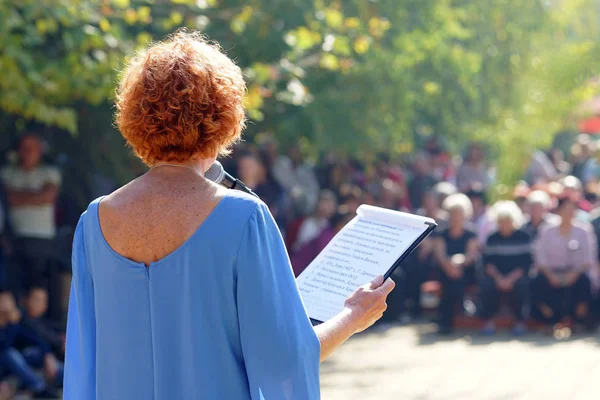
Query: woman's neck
[200,165]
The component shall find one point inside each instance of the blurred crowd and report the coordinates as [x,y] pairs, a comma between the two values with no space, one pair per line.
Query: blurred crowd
[533,256]
[32,289]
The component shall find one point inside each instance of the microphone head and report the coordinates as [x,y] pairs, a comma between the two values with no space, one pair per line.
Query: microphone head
[215,173]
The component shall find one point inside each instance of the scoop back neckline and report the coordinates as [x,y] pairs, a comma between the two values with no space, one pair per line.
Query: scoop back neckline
[95,210]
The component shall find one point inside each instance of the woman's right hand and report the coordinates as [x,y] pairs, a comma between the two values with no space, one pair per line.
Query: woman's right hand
[367,304]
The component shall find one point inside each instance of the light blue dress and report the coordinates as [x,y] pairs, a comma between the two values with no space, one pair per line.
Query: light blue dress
[219,318]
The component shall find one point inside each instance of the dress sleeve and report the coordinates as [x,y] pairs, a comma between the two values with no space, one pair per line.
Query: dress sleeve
[80,358]
[280,348]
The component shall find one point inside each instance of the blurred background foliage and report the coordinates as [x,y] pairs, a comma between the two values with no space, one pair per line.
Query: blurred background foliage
[354,76]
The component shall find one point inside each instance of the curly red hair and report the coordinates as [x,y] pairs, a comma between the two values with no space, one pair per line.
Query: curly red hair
[179,99]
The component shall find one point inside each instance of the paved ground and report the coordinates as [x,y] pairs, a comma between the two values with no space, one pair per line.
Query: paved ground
[411,363]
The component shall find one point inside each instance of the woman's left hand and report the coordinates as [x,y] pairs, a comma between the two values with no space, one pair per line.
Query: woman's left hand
[368,302]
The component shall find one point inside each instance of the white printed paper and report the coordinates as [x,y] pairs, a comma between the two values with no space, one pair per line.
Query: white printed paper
[366,247]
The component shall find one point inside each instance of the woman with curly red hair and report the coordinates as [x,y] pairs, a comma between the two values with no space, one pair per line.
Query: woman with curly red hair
[182,289]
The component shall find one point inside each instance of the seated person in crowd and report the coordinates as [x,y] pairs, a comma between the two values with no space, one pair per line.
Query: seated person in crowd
[6,390]
[393,196]
[36,305]
[539,204]
[422,181]
[506,259]
[252,171]
[456,252]
[20,364]
[573,187]
[419,265]
[298,179]
[520,193]
[563,254]
[480,218]
[314,233]
[431,207]
[443,190]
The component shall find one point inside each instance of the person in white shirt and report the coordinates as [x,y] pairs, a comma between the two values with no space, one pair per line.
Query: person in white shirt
[31,190]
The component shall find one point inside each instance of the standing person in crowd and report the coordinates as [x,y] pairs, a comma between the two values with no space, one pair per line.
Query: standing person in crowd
[32,190]
[456,252]
[541,169]
[298,179]
[6,236]
[314,233]
[422,180]
[583,161]
[539,204]
[506,259]
[557,157]
[563,254]
[472,171]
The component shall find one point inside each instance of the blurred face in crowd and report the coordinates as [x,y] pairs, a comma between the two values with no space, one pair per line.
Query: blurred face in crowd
[422,165]
[295,155]
[369,198]
[523,204]
[352,204]
[327,206]
[586,146]
[430,202]
[475,154]
[37,303]
[478,205]
[270,148]
[250,170]
[567,211]
[30,152]
[382,165]
[505,226]
[456,217]
[7,302]
[390,193]
[557,156]
[342,222]
[7,307]
[537,212]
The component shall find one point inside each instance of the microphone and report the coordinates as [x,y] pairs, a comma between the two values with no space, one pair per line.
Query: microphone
[217,174]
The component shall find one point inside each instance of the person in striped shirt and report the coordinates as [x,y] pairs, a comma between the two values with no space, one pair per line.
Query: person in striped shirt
[507,259]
